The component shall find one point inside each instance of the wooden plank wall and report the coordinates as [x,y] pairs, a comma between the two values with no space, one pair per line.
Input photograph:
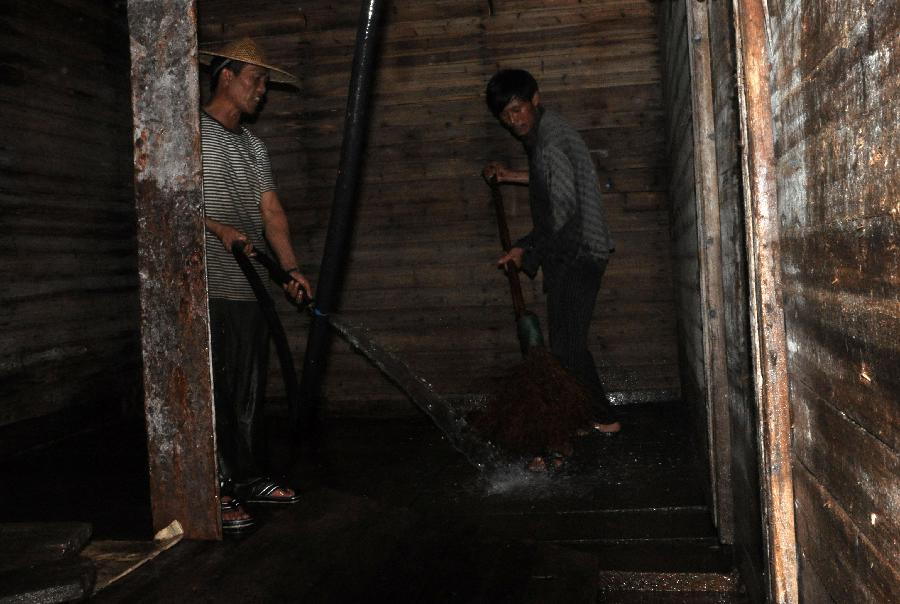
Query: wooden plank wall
[742,409]
[421,273]
[68,261]
[682,195]
[836,103]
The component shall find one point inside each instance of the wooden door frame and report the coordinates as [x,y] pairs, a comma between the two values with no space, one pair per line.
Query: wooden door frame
[767,327]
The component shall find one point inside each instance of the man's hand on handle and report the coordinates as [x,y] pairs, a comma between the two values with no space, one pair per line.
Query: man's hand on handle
[514,255]
[298,287]
[499,171]
[494,170]
[230,236]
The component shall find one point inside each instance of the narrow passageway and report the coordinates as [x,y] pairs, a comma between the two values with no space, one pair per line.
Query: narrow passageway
[390,512]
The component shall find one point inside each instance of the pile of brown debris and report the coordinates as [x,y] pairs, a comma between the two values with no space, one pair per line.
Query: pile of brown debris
[536,408]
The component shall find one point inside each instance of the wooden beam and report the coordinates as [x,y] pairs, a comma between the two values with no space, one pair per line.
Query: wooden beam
[709,246]
[767,330]
[174,310]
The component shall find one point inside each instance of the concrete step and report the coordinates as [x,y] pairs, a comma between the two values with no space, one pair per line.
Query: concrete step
[663,557]
[626,587]
[640,555]
[39,562]
[562,574]
[67,580]
[595,527]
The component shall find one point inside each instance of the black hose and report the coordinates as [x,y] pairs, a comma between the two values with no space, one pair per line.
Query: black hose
[340,225]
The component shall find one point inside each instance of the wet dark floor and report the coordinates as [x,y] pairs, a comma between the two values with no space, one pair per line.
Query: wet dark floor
[392,513]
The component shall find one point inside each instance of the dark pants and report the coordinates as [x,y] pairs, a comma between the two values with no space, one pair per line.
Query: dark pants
[240,346]
[570,307]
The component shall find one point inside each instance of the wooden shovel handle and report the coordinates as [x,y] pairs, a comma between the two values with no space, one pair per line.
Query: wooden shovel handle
[512,273]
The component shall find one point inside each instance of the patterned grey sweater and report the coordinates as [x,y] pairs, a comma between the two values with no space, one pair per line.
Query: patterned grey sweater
[566,208]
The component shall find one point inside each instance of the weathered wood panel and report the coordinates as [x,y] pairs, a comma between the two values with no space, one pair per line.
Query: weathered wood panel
[421,268]
[846,563]
[811,588]
[709,237]
[742,410]
[849,478]
[836,100]
[68,256]
[682,191]
[767,332]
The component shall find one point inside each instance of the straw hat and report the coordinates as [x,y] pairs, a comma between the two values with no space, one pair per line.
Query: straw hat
[248,51]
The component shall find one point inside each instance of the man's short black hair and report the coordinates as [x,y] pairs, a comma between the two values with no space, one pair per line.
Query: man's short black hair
[508,84]
[217,65]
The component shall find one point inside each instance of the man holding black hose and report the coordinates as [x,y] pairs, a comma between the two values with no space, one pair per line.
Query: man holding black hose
[240,202]
[570,240]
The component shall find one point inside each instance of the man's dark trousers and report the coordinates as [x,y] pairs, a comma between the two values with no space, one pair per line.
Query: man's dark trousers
[240,346]
[571,298]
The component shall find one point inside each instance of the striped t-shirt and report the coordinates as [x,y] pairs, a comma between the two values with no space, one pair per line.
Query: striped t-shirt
[236,172]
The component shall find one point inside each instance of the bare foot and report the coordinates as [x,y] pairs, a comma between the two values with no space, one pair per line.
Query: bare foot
[283,493]
[266,490]
[537,465]
[234,513]
[607,428]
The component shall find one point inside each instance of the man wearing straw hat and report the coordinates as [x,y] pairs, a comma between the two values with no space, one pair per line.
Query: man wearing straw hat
[241,203]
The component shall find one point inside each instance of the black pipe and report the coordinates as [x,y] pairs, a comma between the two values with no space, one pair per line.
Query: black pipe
[340,225]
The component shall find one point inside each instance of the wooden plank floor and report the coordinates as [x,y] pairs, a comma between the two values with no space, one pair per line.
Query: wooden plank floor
[392,513]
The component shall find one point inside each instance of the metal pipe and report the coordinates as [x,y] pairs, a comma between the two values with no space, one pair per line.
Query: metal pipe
[340,225]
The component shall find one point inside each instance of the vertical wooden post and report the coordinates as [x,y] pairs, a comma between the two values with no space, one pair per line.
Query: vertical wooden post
[174,308]
[709,245]
[767,330]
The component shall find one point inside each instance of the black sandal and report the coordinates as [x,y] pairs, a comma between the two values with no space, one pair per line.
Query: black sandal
[235,525]
[261,492]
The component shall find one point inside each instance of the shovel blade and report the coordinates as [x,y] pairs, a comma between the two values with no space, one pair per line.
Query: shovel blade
[529,330]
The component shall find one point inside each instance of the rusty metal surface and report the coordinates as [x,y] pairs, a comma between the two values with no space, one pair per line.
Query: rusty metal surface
[766,305]
[174,309]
